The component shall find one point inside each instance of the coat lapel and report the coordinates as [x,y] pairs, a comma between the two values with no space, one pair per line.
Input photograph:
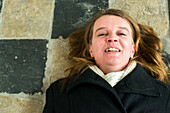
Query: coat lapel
[139,82]
[91,77]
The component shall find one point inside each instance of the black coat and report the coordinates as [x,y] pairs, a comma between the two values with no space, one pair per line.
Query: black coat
[136,93]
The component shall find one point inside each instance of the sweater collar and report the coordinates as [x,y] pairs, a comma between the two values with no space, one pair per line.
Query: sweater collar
[114,77]
[138,81]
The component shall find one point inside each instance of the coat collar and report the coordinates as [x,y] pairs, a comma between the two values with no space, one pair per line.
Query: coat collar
[138,81]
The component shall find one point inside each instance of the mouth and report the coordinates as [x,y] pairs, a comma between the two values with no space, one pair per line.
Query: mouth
[112,50]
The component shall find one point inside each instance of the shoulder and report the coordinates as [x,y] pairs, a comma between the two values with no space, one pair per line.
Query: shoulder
[56,85]
[56,98]
[164,90]
[56,90]
[140,81]
[162,86]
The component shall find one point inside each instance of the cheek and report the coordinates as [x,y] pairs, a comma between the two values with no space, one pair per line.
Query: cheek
[95,49]
[125,44]
[128,46]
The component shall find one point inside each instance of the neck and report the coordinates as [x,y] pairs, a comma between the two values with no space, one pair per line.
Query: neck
[108,69]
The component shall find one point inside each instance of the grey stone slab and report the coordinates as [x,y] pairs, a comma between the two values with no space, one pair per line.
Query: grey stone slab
[169,8]
[22,64]
[69,15]
[166,58]
[1,5]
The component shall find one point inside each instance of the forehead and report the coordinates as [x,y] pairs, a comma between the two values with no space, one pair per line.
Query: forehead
[111,21]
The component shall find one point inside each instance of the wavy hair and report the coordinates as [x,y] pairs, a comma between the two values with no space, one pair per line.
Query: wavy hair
[147,52]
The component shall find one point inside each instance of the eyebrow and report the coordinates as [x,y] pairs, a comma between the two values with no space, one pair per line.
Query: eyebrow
[100,29]
[124,28]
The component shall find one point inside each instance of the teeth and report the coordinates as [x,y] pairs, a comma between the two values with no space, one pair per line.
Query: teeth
[112,49]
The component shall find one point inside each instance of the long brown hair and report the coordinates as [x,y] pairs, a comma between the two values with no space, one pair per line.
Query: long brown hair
[147,53]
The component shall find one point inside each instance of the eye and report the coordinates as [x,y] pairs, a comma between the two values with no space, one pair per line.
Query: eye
[102,34]
[122,34]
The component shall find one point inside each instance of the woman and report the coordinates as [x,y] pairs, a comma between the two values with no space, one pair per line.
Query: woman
[118,69]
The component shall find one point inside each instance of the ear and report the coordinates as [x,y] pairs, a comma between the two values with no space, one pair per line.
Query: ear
[90,50]
[133,51]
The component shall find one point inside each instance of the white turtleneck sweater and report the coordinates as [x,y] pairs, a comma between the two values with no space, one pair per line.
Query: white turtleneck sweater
[114,77]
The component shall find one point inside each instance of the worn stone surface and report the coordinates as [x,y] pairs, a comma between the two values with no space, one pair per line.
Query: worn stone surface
[57,61]
[21,103]
[166,43]
[26,19]
[149,12]
[33,19]
[22,64]
[166,39]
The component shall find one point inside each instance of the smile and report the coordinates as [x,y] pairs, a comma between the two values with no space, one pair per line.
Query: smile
[112,50]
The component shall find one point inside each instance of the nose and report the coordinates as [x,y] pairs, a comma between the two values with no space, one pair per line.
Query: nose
[112,38]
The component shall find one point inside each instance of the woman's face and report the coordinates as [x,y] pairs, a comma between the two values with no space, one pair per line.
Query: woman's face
[112,44]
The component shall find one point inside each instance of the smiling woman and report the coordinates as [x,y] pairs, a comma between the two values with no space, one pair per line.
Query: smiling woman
[112,43]
[118,69]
